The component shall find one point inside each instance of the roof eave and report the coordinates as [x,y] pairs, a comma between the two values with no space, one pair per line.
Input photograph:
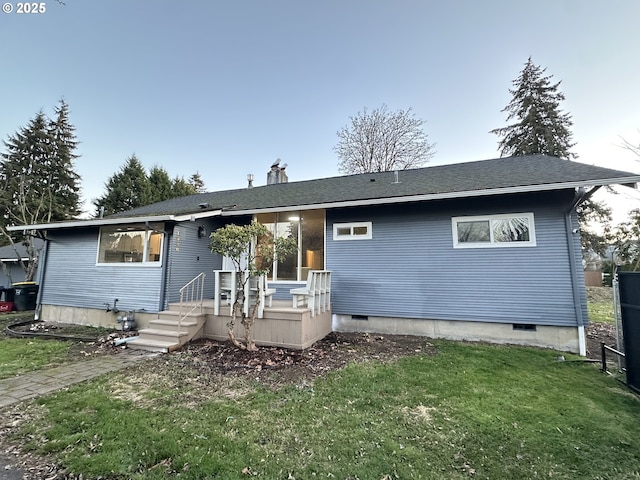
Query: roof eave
[627,181]
[100,222]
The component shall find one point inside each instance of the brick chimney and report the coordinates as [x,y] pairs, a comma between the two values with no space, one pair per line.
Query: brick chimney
[277,173]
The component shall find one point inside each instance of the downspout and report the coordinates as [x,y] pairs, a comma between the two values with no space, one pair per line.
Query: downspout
[580,197]
[42,266]
[165,267]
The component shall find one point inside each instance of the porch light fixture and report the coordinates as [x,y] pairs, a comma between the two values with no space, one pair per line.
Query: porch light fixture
[202,231]
[294,218]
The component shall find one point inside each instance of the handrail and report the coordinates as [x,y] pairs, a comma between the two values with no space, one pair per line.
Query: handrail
[191,295]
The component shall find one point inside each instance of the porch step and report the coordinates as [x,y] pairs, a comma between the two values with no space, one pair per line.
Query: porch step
[152,345]
[162,335]
[168,333]
[172,324]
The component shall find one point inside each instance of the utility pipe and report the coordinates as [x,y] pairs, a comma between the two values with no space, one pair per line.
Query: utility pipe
[581,197]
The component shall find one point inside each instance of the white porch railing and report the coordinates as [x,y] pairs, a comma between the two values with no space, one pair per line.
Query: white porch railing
[191,297]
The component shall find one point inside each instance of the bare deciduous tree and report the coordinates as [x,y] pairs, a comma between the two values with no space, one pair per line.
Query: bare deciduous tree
[252,250]
[635,149]
[381,141]
[27,212]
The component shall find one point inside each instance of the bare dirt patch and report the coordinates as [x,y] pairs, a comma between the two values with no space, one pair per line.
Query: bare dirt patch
[276,366]
[599,294]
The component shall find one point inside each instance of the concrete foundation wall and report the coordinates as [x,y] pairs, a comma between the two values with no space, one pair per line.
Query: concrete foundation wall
[90,316]
[559,338]
[300,331]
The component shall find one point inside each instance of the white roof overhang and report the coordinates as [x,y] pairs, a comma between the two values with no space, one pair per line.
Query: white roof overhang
[101,222]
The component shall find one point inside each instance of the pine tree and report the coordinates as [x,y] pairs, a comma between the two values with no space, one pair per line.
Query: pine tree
[182,188]
[39,183]
[542,128]
[64,180]
[28,151]
[129,188]
[540,125]
[160,185]
[197,183]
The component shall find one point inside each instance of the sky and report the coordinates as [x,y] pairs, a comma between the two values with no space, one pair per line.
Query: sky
[225,87]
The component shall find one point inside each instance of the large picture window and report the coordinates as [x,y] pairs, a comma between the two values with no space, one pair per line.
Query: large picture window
[511,230]
[307,227]
[130,244]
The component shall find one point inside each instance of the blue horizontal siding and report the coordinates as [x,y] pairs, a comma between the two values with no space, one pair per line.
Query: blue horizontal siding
[410,268]
[190,255]
[72,278]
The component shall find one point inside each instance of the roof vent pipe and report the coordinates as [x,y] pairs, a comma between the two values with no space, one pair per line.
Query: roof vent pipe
[395,176]
[250,180]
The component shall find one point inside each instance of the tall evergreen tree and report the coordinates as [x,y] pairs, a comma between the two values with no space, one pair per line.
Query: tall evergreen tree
[38,180]
[64,178]
[181,187]
[131,187]
[160,185]
[126,189]
[197,183]
[540,126]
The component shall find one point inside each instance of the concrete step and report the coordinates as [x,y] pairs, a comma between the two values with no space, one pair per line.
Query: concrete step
[153,345]
[172,324]
[163,335]
[169,314]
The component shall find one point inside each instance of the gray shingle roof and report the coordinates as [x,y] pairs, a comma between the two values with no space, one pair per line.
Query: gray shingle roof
[499,173]
[8,253]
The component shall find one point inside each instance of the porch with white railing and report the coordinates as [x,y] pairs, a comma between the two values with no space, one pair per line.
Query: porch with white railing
[281,324]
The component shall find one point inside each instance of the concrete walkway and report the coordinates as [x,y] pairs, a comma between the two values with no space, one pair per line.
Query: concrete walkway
[30,385]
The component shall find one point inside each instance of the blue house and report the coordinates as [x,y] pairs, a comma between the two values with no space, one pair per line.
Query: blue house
[487,250]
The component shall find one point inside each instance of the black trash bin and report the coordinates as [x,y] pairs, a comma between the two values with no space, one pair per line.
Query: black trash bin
[26,296]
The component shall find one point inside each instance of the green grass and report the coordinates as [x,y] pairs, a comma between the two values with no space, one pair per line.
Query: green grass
[22,355]
[601,312]
[18,355]
[472,410]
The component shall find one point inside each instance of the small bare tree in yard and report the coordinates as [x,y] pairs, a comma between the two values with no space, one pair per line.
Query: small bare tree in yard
[252,250]
[381,141]
[24,214]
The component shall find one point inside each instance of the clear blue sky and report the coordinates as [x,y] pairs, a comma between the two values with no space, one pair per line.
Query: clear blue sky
[226,87]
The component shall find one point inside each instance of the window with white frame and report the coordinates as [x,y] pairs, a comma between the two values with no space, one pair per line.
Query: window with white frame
[352,231]
[130,244]
[308,228]
[510,230]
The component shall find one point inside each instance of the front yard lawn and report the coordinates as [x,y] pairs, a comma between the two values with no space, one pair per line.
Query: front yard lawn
[466,411]
[18,355]
[23,355]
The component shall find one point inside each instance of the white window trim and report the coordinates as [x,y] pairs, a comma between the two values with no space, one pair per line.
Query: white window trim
[351,226]
[144,263]
[492,243]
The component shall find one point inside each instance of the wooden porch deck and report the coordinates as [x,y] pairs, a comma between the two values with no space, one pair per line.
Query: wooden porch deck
[282,325]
